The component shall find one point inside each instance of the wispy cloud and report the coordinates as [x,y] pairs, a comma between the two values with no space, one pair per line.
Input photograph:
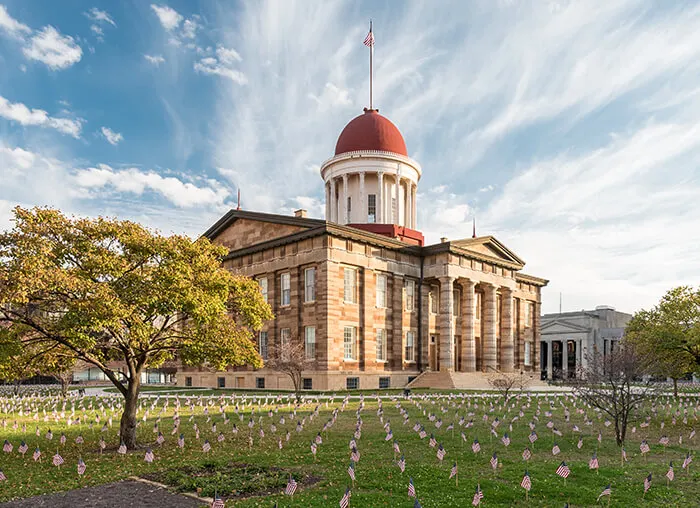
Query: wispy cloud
[20,113]
[99,16]
[154,59]
[168,17]
[113,138]
[11,25]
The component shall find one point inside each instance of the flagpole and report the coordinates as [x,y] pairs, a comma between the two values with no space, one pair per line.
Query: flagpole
[371,55]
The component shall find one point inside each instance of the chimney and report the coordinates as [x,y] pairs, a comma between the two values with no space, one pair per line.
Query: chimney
[301,213]
[444,239]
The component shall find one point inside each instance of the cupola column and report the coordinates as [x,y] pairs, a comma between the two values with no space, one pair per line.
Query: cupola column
[328,201]
[363,199]
[414,222]
[395,203]
[344,203]
[380,197]
[334,203]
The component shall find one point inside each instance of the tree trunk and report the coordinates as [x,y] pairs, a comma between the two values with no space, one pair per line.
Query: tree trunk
[127,427]
[64,386]
[675,387]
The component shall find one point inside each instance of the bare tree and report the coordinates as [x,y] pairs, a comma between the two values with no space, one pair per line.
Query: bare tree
[506,383]
[290,358]
[615,384]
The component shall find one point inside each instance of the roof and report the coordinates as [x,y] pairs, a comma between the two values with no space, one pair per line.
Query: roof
[371,131]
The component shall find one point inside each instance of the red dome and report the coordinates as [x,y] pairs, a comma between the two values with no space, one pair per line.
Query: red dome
[371,131]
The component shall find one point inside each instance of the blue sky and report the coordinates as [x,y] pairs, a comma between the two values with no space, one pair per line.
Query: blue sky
[568,128]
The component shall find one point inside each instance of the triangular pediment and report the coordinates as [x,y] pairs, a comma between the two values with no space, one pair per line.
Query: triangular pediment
[488,246]
[562,326]
[238,229]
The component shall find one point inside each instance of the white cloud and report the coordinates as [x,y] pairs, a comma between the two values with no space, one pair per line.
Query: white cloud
[11,25]
[100,16]
[168,17]
[114,138]
[24,115]
[154,59]
[189,29]
[54,49]
[228,55]
[96,30]
[211,65]
[133,180]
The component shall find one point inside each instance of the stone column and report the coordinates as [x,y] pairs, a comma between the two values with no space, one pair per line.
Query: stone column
[397,306]
[536,333]
[363,199]
[425,324]
[380,197]
[550,372]
[565,359]
[346,217]
[334,202]
[407,205]
[328,201]
[468,346]
[489,339]
[447,332]
[507,347]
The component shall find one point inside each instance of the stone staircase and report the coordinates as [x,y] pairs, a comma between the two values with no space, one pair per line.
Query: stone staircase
[446,380]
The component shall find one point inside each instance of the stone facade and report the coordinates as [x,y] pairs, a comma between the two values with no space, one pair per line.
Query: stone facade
[381,311]
[568,337]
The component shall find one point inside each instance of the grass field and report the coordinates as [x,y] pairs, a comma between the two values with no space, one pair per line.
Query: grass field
[235,468]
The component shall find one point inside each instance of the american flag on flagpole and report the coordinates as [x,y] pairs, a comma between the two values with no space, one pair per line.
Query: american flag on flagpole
[606,492]
[402,463]
[351,470]
[441,453]
[411,488]
[369,40]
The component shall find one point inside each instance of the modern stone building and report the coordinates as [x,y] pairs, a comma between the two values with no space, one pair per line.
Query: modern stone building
[568,337]
[375,306]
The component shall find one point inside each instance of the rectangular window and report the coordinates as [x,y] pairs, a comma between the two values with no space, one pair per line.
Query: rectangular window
[477,305]
[352,383]
[381,344]
[455,302]
[527,314]
[434,300]
[349,205]
[410,354]
[349,343]
[262,345]
[371,208]
[310,285]
[307,383]
[528,360]
[188,381]
[286,293]
[350,285]
[381,291]
[410,288]
[263,287]
[221,382]
[260,383]
[384,383]
[310,342]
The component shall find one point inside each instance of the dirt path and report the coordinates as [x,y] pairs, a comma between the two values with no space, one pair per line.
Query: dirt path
[125,494]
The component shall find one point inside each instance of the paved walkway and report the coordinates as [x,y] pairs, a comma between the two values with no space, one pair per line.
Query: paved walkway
[124,494]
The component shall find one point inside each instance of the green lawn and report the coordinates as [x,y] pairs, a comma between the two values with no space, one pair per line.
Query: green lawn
[379,480]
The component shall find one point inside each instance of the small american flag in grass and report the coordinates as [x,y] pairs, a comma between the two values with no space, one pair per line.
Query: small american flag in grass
[81,467]
[476,447]
[217,502]
[441,453]
[494,461]
[411,488]
[669,473]
[606,492]
[2,476]
[7,446]
[688,459]
[122,449]
[555,449]
[593,463]
[351,471]
[206,447]
[647,483]
[37,454]
[291,486]
[478,496]
[402,463]
[57,460]
[563,470]
[453,471]
[527,454]
[23,448]
[526,483]
[149,457]
[345,500]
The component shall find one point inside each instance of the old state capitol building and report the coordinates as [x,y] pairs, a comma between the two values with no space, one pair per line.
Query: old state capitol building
[374,306]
